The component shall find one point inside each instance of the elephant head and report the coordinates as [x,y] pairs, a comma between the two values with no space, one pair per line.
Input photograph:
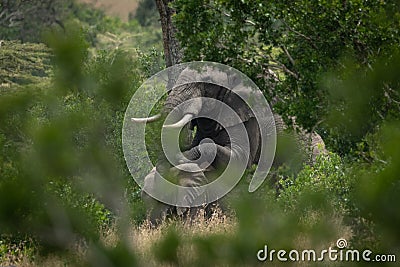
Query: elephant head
[190,98]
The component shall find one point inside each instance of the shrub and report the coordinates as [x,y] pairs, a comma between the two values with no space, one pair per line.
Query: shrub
[327,177]
[298,41]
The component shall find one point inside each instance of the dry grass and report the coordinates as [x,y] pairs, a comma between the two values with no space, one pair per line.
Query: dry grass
[144,239]
[305,242]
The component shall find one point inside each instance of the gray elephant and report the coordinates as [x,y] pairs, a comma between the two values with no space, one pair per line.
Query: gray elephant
[216,141]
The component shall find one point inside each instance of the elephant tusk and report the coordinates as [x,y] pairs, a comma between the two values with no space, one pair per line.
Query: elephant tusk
[149,119]
[181,123]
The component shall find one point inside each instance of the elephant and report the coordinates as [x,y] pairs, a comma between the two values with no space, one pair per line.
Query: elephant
[212,144]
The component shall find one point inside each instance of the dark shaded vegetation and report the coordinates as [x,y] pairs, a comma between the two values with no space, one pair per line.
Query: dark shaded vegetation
[146,13]
[63,93]
[300,42]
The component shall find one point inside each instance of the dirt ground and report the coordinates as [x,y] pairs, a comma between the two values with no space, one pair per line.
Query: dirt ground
[120,8]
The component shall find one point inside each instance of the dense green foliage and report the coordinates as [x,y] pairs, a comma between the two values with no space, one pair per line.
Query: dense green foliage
[63,179]
[23,64]
[335,65]
[61,136]
[146,13]
[62,172]
[300,41]
[25,20]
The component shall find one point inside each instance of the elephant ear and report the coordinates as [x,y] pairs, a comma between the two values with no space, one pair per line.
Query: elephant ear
[240,100]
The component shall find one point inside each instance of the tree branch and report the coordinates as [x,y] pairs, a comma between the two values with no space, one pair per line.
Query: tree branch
[287,54]
[300,34]
[281,66]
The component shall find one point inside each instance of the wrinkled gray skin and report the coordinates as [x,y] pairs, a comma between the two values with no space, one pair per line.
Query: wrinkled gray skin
[309,144]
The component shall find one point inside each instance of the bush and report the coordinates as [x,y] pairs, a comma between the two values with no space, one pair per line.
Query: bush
[300,42]
[327,177]
[24,64]
[146,13]
[61,163]
[26,20]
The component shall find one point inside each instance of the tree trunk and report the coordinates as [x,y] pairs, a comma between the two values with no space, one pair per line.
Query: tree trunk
[172,49]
